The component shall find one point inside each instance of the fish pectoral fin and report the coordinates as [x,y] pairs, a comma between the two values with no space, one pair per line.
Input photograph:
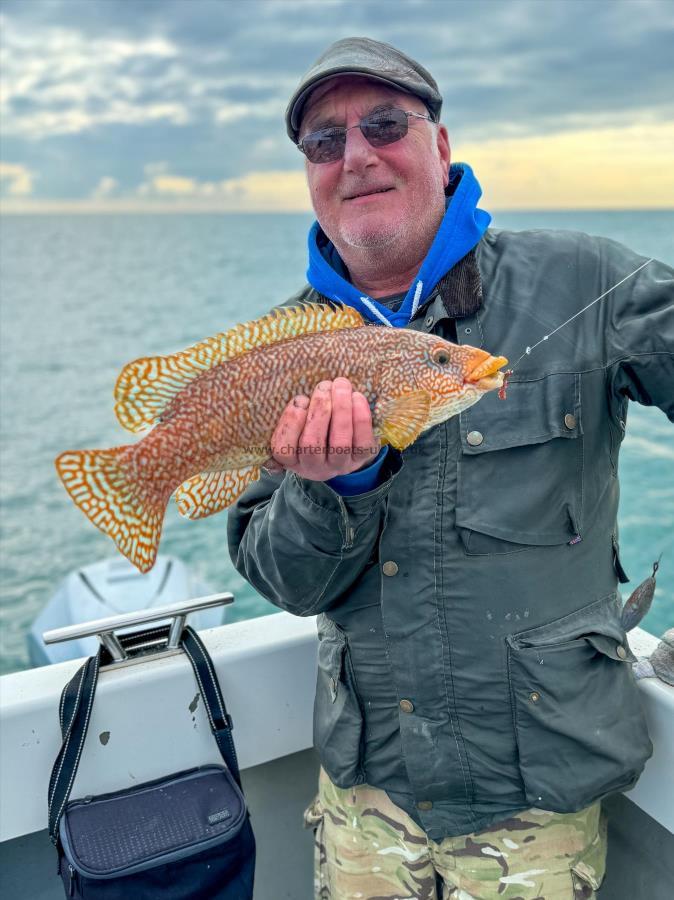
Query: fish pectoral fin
[211,492]
[404,418]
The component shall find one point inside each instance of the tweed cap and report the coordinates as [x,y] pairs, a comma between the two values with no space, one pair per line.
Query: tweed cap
[363,56]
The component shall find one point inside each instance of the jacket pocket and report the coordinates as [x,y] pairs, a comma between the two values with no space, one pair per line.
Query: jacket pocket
[338,720]
[579,726]
[520,476]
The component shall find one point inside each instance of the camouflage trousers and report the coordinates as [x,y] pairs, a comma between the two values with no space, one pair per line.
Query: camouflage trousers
[367,848]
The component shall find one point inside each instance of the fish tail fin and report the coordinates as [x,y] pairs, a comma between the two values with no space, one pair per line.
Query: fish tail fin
[129,512]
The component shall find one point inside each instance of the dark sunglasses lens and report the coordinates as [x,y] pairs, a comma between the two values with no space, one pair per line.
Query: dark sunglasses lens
[324,146]
[386,127]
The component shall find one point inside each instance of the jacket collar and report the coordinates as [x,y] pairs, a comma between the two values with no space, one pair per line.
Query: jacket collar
[460,289]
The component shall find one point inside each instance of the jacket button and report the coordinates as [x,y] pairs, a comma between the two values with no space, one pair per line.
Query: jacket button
[534,696]
[407,706]
[425,804]
[622,653]
[390,568]
[570,421]
[429,321]
[474,438]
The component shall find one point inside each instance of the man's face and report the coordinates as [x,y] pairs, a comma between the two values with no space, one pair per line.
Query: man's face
[374,196]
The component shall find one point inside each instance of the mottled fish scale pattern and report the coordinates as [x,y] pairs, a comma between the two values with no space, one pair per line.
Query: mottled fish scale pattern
[367,847]
[214,408]
[145,386]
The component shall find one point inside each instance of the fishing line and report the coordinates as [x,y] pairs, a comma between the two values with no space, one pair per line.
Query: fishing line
[545,337]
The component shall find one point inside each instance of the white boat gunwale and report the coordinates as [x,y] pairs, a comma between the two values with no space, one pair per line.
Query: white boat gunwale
[146,723]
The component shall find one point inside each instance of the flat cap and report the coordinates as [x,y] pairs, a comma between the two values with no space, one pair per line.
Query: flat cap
[363,56]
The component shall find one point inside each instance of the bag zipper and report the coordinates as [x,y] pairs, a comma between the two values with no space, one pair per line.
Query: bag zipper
[73,878]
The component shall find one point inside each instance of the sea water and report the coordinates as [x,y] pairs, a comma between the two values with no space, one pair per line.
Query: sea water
[83,295]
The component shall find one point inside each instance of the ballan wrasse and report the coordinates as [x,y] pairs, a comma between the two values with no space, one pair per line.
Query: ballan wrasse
[214,408]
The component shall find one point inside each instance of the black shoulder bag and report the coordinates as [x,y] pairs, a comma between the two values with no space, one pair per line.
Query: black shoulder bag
[182,837]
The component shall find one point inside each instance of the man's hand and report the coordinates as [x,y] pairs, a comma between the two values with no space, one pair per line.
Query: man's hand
[330,434]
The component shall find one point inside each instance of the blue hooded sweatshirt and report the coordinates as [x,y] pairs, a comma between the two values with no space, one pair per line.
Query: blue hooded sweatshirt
[460,230]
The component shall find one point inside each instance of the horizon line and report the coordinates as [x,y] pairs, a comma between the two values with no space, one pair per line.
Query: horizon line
[187,210]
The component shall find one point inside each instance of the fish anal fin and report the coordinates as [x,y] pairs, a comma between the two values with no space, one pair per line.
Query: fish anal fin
[210,492]
[404,418]
[147,386]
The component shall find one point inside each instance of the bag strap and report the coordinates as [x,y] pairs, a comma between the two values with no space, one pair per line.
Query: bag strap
[75,708]
[77,700]
[209,686]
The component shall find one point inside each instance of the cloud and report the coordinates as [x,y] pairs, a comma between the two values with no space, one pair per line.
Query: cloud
[255,191]
[56,81]
[17,180]
[233,111]
[105,187]
[94,89]
[169,184]
[601,168]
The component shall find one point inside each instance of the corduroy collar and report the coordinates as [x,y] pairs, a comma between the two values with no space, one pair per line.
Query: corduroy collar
[460,289]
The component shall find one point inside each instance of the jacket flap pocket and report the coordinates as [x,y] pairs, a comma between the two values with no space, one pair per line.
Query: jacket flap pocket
[599,621]
[580,730]
[332,643]
[338,719]
[609,646]
[520,478]
[534,412]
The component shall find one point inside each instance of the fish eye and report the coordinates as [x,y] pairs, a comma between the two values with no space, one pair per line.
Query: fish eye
[441,357]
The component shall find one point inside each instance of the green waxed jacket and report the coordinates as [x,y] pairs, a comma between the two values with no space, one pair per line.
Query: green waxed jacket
[471,657]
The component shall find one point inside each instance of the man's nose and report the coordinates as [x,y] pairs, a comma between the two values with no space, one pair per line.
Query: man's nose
[358,152]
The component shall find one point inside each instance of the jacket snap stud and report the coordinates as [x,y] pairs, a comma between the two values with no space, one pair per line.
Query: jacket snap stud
[474,438]
[534,696]
[622,653]
[570,421]
[429,321]
[425,804]
[390,567]
[407,706]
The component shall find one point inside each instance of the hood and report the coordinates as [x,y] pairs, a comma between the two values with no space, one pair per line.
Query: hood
[460,230]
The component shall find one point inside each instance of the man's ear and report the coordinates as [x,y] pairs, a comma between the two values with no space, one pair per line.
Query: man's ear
[444,151]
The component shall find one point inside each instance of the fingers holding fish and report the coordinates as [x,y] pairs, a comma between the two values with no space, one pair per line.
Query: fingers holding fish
[365,444]
[331,434]
[341,427]
[338,437]
[287,434]
[312,447]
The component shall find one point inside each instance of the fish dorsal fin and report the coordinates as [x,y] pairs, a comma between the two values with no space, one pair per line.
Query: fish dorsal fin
[147,386]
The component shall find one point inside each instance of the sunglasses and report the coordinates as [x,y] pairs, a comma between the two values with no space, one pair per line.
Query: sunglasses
[379,128]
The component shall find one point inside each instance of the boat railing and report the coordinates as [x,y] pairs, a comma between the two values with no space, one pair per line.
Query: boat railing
[122,647]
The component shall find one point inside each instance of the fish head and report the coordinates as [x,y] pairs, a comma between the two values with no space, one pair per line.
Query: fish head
[456,376]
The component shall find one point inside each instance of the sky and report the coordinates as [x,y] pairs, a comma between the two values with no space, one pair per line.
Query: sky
[169,105]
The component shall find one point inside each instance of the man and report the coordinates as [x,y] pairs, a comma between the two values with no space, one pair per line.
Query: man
[475,698]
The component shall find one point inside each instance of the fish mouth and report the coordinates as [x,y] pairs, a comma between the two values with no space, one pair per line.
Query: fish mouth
[486,375]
